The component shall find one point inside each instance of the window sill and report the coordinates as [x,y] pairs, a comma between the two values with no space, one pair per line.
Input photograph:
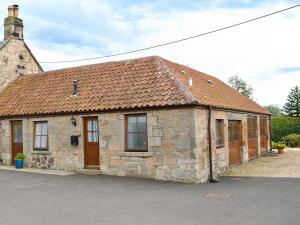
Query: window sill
[136,154]
[40,152]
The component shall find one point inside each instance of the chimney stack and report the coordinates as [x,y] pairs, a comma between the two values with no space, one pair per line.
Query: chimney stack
[13,25]
[75,87]
[13,10]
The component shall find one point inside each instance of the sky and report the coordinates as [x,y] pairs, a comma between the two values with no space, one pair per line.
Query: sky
[265,53]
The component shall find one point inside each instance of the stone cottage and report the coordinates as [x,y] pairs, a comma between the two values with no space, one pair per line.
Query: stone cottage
[145,117]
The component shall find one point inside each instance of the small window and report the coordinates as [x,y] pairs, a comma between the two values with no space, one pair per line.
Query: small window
[219,133]
[136,133]
[41,135]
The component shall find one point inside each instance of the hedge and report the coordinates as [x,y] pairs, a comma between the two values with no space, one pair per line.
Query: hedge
[282,126]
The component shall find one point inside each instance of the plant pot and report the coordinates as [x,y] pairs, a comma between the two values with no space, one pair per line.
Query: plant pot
[19,163]
[280,150]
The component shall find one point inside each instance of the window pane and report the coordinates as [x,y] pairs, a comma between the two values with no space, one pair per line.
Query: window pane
[44,128]
[90,125]
[37,142]
[235,134]
[132,142]
[95,125]
[141,124]
[90,137]
[95,136]
[132,124]
[141,141]
[16,138]
[219,132]
[38,129]
[43,141]
[20,138]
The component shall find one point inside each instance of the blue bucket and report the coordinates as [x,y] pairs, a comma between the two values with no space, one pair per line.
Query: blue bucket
[19,164]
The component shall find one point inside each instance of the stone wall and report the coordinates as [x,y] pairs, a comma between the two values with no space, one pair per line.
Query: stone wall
[15,60]
[221,155]
[5,147]
[177,144]
[171,146]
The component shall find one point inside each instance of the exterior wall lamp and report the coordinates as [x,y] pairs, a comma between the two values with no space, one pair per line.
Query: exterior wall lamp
[73,121]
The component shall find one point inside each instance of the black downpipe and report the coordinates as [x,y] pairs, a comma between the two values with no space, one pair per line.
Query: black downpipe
[270,133]
[211,175]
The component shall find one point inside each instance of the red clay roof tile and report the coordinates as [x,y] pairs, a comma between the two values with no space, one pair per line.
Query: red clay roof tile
[138,83]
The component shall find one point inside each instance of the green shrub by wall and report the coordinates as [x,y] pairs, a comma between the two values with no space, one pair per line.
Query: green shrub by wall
[282,126]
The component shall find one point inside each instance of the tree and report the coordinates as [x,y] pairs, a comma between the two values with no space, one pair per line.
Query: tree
[292,106]
[241,86]
[274,109]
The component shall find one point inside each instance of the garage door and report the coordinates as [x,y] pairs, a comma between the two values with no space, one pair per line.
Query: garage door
[234,139]
[263,135]
[252,137]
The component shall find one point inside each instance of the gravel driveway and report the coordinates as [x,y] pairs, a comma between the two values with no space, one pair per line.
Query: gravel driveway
[285,165]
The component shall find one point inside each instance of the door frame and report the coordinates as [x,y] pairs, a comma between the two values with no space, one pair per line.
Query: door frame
[256,136]
[84,119]
[266,134]
[12,138]
[240,122]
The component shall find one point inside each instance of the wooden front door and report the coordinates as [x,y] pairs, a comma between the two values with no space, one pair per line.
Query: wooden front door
[91,143]
[16,139]
[263,135]
[235,140]
[252,137]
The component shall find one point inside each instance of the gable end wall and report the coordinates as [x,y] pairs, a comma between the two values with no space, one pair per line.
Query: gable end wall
[11,66]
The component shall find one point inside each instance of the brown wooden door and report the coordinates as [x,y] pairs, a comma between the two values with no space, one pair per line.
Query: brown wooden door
[16,139]
[252,137]
[91,143]
[263,135]
[234,139]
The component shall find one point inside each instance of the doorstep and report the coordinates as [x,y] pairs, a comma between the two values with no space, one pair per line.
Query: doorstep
[89,171]
[40,171]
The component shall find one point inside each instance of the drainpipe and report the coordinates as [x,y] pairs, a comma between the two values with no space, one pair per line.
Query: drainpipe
[270,133]
[211,175]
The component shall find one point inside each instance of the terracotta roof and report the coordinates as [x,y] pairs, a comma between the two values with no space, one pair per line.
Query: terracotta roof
[209,90]
[137,83]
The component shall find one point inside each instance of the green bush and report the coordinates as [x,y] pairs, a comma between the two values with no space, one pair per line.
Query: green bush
[276,145]
[283,126]
[292,140]
[20,156]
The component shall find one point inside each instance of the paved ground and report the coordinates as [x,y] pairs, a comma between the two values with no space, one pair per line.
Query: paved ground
[28,198]
[285,165]
[34,170]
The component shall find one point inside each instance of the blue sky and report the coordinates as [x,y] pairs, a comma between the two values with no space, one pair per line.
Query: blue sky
[264,53]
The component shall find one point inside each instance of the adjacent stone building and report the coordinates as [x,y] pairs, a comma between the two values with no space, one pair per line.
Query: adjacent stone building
[16,58]
[145,117]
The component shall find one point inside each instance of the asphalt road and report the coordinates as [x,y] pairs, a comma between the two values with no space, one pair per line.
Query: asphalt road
[83,200]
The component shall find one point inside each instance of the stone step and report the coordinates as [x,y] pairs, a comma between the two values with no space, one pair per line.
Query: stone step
[89,171]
